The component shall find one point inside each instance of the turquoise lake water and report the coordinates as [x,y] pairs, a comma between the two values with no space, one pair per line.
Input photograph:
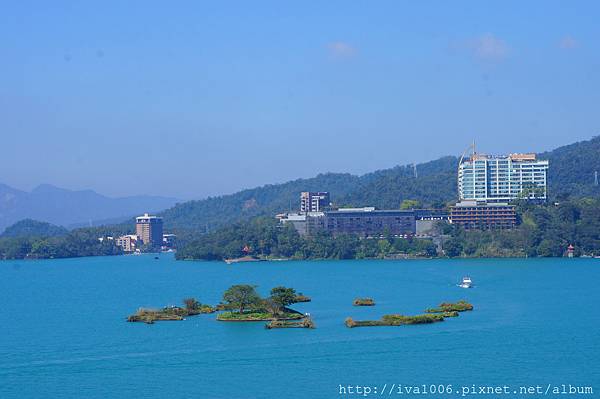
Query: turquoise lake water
[63,332]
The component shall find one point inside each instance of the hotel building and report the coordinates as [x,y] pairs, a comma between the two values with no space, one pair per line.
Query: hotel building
[471,215]
[149,230]
[364,222]
[500,179]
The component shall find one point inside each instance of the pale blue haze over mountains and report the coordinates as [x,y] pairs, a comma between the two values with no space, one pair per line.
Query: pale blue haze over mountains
[72,208]
[190,99]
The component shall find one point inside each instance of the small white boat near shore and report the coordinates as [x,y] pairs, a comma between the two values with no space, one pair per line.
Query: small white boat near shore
[466,283]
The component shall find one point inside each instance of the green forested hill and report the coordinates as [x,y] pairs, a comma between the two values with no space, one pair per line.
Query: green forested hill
[214,212]
[34,228]
[572,168]
[435,185]
[571,175]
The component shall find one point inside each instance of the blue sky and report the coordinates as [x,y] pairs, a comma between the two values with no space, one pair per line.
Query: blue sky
[190,99]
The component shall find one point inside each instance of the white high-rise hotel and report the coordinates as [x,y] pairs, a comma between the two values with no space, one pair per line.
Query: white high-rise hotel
[502,178]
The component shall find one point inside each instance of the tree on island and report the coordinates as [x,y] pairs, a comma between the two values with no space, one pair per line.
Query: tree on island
[191,303]
[241,296]
[282,297]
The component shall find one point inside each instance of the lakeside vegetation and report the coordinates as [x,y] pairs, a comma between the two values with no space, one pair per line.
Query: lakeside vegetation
[76,243]
[543,231]
[268,239]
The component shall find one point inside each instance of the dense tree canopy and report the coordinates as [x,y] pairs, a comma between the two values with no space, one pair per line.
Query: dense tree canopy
[283,296]
[79,242]
[241,296]
[265,237]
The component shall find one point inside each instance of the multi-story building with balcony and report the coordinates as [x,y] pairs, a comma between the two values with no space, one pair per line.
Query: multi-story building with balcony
[314,201]
[127,242]
[503,178]
[471,215]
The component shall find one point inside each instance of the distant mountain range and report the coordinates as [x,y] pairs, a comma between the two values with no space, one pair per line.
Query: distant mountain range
[571,174]
[69,208]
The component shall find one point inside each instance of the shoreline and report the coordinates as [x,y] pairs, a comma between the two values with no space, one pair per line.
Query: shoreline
[308,259]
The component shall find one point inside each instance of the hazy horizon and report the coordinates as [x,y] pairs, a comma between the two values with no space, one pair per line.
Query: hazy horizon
[191,100]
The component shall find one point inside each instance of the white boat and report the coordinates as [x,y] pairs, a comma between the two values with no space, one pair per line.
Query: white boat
[466,283]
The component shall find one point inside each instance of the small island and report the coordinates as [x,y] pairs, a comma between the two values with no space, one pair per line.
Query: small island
[432,315]
[243,303]
[395,320]
[300,297]
[171,313]
[307,322]
[363,302]
[460,306]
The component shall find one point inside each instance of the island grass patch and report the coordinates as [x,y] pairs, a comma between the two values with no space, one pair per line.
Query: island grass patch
[258,315]
[306,322]
[445,307]
[393,320]
[363,302]
[171,313]
[149,316]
